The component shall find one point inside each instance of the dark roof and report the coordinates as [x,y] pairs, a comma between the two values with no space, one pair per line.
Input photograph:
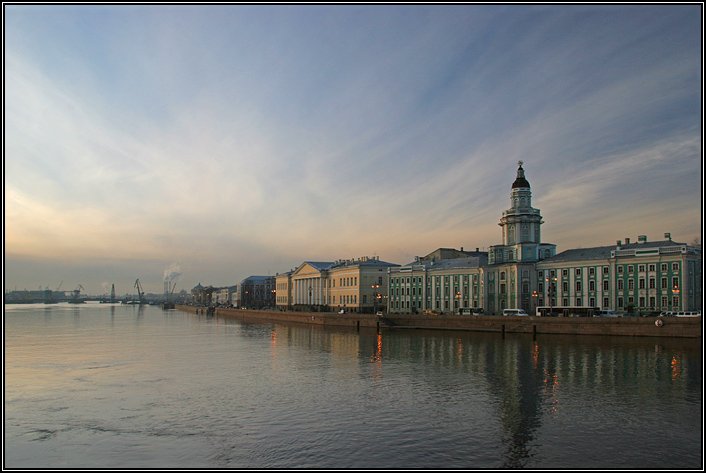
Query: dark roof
[256,279]
[467,262]
[603,252]
[520,181]
[598,252]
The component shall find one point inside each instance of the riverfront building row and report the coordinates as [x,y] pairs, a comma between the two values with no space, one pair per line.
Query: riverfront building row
[523,272]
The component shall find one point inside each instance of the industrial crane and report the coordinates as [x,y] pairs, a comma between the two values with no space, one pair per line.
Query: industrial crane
[140,292]
[76,292]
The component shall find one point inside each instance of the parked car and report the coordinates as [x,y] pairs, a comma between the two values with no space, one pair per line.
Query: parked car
[515,312]
[607,313]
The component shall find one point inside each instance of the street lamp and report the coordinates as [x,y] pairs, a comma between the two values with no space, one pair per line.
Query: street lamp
[535,296]
[309,297]
[551,289]
[375,297]
[458,300]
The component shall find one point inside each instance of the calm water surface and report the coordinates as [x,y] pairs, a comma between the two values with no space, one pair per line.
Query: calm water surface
[110,386]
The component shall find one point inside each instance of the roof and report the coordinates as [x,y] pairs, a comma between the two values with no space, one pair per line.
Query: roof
[598,252]
[320,265]
[604,252]
[256,279]
[520,181]
[467,262]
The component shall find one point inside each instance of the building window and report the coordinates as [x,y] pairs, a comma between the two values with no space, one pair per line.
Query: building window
[591,286]
[578,271]
[579,301]
[620,284]
[653,283]
[606,303]
[591,271]
[630,268]
[641,268]
[565,272]
[502,275]
[620,302]
[664,302]
[641,283]
[675,266]
[631,284]
[664,267]
[675,302]
[620,270]
[642,302]
[605,269]
[675,282]
[605,285]
[565,302]
[652,267]
[565,287]
[664,283]
[578,286]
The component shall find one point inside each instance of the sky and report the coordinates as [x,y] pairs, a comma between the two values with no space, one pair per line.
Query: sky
[210,143]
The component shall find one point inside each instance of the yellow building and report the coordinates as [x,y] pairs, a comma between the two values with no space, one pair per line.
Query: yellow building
[359,285]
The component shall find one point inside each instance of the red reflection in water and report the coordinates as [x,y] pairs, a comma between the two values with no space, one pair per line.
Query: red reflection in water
[676,367]
[377,356]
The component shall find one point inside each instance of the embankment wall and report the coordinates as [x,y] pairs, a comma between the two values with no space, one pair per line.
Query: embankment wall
[687,327]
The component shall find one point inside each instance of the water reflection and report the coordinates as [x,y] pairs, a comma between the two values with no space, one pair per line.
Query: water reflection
[528,381]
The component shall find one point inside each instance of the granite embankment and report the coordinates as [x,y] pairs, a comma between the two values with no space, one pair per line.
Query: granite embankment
[688,327]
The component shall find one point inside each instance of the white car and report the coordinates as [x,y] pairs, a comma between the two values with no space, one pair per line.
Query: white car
[606,313]
[515,312]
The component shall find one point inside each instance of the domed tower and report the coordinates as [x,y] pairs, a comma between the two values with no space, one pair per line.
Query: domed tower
[521,223]
[521,227]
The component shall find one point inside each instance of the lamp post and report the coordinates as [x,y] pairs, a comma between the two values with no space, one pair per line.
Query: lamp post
[375,297]
[675,292]
[535,295]
[551,289]
[458,301]
[309,297]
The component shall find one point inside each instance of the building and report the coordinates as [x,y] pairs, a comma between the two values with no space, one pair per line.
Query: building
[640,277]
[524,272]
[359,285]
[224,295]
[256,292]
[443,281]
[283,290]
[310,286]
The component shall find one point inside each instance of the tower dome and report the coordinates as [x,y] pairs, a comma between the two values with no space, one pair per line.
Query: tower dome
[520,181]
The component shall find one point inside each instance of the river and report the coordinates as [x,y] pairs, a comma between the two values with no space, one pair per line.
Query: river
[119,386]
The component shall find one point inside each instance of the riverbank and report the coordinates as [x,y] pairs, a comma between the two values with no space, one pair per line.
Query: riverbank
[685,327]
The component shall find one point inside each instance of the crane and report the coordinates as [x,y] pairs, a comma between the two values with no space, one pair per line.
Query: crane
[75,293]
[140,292]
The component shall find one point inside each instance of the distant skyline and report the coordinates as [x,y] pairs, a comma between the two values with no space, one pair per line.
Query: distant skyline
[224,141]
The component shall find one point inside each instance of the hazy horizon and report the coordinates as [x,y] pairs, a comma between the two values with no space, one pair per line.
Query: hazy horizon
[224,141]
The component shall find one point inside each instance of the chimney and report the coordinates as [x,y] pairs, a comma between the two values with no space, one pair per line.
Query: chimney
[668,236]
[476,249]
[618,243]
[461,248]
[627,241]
